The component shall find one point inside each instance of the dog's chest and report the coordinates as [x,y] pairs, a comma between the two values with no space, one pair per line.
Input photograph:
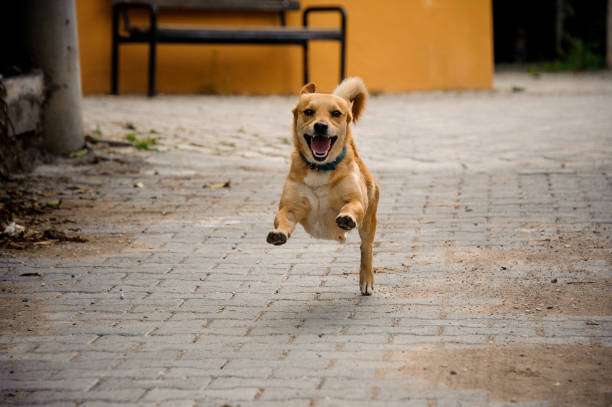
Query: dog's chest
[317,190]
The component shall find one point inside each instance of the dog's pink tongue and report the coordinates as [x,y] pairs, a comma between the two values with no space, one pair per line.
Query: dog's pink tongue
[320,145]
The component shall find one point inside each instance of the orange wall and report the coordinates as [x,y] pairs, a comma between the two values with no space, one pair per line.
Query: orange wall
[394,45]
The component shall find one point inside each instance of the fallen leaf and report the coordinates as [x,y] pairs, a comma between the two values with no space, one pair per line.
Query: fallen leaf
[217,185]
[54,204]
[44,242]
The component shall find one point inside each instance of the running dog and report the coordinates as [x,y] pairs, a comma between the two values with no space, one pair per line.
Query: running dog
[329,190]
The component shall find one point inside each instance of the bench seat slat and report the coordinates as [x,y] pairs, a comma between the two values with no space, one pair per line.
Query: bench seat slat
[239,5]
[267,35]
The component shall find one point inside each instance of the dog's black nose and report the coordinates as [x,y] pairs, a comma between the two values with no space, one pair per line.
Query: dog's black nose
[320,128]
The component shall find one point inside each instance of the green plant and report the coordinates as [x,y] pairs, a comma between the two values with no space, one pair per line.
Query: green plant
[580,56]
[145,143]
[79,153]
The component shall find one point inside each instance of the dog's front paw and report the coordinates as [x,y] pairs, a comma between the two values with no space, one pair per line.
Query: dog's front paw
[346,222]
[276,238]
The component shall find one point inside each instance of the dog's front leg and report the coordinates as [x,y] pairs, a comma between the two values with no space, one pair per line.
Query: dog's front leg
[284,223]
[351,215]
[292,209]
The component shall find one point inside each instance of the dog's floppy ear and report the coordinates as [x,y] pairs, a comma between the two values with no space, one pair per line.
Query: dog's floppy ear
[308,88]
[353,90]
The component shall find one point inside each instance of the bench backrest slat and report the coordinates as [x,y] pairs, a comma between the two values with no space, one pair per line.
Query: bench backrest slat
[250,5]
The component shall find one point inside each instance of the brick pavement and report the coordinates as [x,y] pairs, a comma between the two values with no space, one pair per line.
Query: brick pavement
[487,198]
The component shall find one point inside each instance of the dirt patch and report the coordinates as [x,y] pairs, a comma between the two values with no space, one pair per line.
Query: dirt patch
[548,277]
[21,314]
[561,375]
[490,276]
[96,246]
[62,231]
[49,213]
[518,296]
[565,251]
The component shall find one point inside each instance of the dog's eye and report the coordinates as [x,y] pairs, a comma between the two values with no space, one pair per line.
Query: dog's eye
[336,113]
[308,112]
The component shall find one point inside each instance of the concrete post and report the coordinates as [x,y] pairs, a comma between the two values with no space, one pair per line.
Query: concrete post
[51,43]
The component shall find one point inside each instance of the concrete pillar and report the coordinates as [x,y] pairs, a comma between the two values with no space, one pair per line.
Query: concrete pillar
[50,42]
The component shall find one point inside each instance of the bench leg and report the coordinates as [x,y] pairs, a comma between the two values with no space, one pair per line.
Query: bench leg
[115,69]
[152,60]
[152,50]
[342,39]
[115,53]
[305,54]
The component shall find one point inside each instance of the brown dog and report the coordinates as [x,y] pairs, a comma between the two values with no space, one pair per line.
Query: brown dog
[329,190]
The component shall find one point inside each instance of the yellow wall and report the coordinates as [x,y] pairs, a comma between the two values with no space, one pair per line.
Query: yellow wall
[394,45]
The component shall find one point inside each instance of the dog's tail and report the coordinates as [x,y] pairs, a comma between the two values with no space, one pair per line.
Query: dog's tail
[354,90]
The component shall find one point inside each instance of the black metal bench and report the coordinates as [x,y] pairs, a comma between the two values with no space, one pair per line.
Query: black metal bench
[155,33]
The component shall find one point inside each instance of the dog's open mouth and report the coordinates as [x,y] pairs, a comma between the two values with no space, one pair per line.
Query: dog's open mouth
[320,145]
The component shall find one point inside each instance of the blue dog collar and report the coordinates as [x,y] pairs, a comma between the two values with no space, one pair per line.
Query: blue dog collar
[325,167]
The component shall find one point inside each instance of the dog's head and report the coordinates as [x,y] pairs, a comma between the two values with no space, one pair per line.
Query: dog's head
[321,121]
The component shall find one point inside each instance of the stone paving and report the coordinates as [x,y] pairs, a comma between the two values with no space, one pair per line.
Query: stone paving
[493,255]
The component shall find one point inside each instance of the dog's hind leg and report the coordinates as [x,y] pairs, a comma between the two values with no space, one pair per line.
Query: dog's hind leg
[366,271]
[367,231]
